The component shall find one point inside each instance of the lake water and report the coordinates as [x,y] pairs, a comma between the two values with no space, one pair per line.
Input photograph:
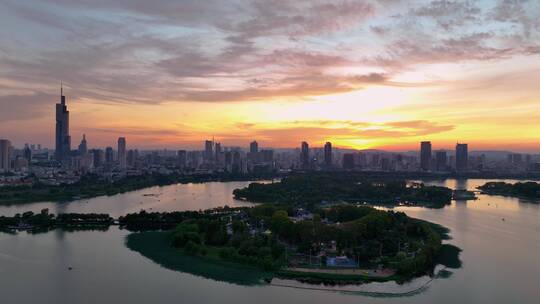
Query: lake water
[500,239]
[169,198]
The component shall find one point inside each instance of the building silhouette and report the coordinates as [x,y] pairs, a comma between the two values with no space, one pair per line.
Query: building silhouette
[5,157]
[63,140]
[27,153]
[441,160]
[348,161]
[83,146]
[99,157]
[328,157]
[209,150]
[182,158]
[425,155]
[253,147]
[109,155]
[304,155]
[462,157]
[122,156]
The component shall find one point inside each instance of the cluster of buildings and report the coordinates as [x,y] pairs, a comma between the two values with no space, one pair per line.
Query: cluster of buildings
[441,161]
[65,164]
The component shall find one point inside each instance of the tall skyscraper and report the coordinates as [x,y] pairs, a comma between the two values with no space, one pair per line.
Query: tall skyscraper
[328,154]
[27,152]
[209,150]
[109,157]
[441,160]
[253,147]
[63,140]
[425,155]
[304,155]
[217,150]
[5,154]
[122,157]
[348,161]
[83,147]
[182,158]
[462,157]
[99,157]
[132,156]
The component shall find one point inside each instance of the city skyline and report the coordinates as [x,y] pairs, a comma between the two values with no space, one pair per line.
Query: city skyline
[63,142]
[167,75]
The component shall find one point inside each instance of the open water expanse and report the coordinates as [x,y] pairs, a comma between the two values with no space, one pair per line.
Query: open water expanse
[499,236]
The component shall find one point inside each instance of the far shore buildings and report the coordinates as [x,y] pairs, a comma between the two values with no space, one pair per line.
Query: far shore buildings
[425,155]
[462,157]
[5,149]
[328,157]
[304,155]
[122,157]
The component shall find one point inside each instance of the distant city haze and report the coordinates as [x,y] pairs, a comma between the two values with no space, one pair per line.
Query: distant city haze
[359,74]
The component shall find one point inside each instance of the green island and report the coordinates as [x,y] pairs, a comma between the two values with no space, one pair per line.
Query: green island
[92,185]
[341,244]
[313,189]
[526,190]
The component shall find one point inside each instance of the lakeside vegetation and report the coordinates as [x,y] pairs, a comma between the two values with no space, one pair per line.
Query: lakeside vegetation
[312,189]
[527,190]
[268,238]
[92,185]
[44,221]
[156,246]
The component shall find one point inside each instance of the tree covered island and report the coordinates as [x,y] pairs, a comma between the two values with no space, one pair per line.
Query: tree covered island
[45,221]
[341,243]
[314,189]
[528,190]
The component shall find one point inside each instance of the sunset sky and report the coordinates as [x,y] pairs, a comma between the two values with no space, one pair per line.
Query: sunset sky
[362,74]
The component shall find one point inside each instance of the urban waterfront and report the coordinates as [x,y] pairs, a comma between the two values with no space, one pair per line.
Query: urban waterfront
[499,236]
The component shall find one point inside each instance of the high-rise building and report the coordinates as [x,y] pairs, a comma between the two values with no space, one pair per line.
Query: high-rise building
[515,158]
[386,164]
[441,160]
[348,161]
[328,155]
[182,158]
[236,162]
[63,140]
[425,155]
[304,155]
[267,156]
[462,157]
[109,155]
[122,156]
[132,156]
[99,157]
[83,147]
[27,153]
[253,147]
[209,150]
[5,157]
[217,152]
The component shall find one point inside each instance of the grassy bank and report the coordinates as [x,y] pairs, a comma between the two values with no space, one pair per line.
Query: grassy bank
[156,247]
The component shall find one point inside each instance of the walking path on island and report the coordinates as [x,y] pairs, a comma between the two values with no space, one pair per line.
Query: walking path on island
[384,273]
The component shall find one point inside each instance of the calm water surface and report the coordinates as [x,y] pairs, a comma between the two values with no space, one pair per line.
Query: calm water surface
[501,258]
[169,198]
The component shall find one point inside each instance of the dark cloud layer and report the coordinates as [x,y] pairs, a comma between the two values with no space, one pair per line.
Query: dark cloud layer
[138,51]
